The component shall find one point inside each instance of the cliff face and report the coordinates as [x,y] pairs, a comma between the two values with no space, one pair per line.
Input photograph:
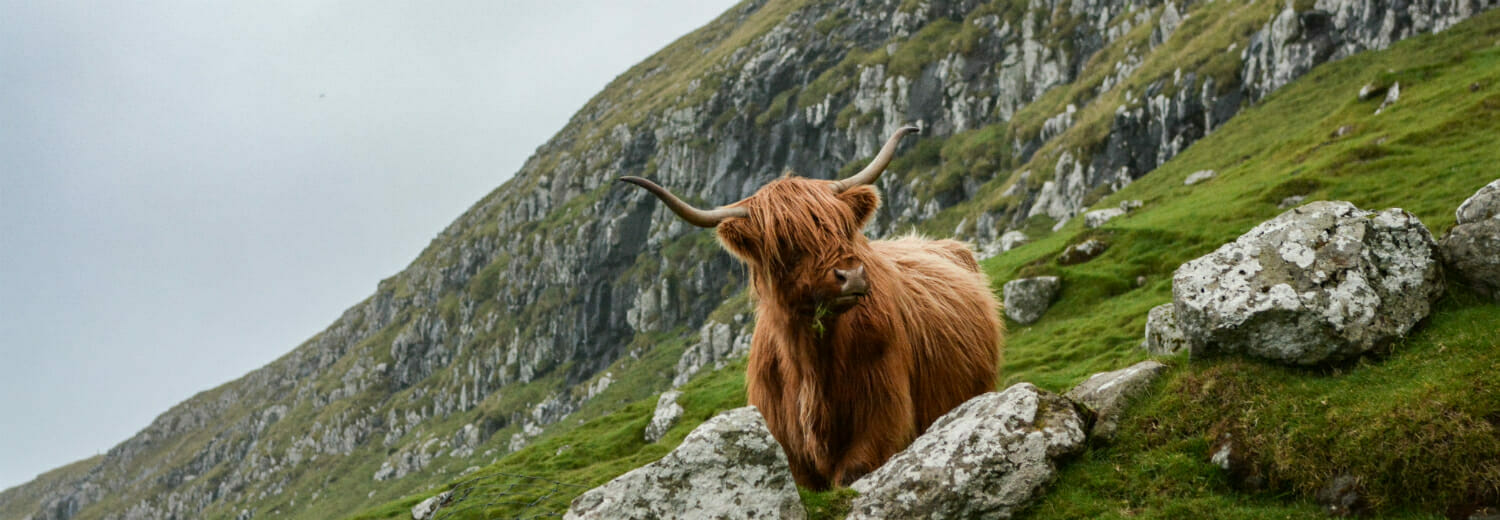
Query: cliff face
[557,288]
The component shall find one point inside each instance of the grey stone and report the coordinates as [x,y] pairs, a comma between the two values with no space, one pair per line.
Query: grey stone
[729,467]
[718,344]
[426,508]
[1098,217]
[1026,299]
[667,413]
[1163,336]
[1483,205]
[1392,95]
[1083,252]
[1291,201]
[1472,251]
[1320,283]
[1108,394]
[988,458]
[1199,176]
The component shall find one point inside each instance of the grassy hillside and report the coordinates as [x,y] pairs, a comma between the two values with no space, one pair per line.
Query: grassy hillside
[1417,427]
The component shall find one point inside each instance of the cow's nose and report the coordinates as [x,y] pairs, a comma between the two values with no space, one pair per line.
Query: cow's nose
[852,281]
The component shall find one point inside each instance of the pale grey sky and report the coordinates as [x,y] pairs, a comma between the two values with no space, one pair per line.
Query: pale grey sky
[190,189]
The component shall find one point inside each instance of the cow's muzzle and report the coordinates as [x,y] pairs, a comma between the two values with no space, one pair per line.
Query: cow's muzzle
[852,286]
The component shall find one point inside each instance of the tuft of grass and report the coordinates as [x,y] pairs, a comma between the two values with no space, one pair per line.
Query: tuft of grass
[827,505]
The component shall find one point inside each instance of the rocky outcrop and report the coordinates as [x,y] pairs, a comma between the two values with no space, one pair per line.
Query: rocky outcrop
[1173,112]
[1471,249]
[1027,298]
[1109,394]
[718,344]
[729,467]
[988,458]
[1320,283]
[1097,218]
[666,415]
[1199,176]
[425,509]
[1295,42]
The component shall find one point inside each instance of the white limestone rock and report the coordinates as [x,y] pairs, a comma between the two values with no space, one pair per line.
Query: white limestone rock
[729,467]
[1012,239]
[427,508]
[988,458]
[1199,176]
[1098,217]
[666,416]
[1483,205]
[1320,283]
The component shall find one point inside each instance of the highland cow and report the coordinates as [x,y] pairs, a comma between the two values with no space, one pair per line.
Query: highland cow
[859,344]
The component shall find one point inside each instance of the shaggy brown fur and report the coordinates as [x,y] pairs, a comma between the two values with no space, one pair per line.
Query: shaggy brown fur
[845,387]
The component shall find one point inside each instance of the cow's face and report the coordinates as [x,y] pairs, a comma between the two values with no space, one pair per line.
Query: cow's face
[804,239]
[800,237]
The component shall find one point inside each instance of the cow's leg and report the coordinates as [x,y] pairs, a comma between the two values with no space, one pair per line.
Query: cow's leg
[887,432]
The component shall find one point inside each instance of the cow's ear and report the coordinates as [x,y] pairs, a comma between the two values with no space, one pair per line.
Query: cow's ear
[863,200]
[734,235]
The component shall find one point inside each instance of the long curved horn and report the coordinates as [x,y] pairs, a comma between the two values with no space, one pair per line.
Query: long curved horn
[872,172]
[694,216]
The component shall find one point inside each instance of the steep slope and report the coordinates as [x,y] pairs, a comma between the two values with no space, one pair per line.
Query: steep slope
[557,296]
[1414,427]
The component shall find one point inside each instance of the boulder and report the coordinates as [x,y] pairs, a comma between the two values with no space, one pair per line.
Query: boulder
[1026,299]
[426,508]
[1199,176]
[1098,217]
[1163,336]
[1472,251]
[1470,248]
[667,413]
[1323,282]
[988,458]
[729,467]
[1484,205]
[1108,394]
[1083,252]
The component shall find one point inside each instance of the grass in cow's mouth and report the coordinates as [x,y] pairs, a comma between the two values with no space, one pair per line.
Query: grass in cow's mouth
[817,321]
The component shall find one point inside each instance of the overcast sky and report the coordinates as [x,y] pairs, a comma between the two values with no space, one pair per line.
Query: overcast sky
[190,189]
